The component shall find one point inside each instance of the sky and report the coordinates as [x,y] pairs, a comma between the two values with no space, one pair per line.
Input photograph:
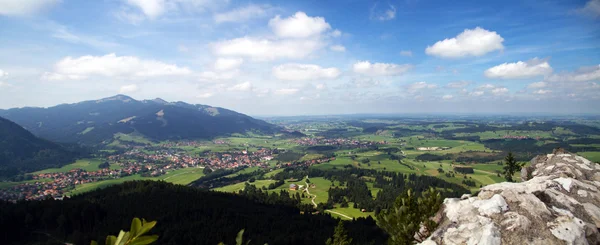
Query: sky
[308,57]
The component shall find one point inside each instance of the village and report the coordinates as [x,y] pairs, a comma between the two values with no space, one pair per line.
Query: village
[336,142]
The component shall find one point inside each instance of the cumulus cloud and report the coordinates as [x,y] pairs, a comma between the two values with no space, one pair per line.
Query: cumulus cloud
[266,50]
[532,68]
[458,84]
[583,74]
[499,91]
[204,95]
[406,53]
[471,42]
[225,64]
[3,73]
[542,91]
[242,14]
[320,86]
[304,72]
[486,86]
[476,93]
[379,69]
[245,86]
[218,75]
[25,7]
[338,48]
[128,89]
[111,65]
[415,87]
[286,91]
[447,97]
[299,25]
[537,85]
[362,82]
[384,14]
[591,8]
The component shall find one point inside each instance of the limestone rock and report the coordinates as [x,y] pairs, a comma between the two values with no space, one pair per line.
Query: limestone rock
[558,203]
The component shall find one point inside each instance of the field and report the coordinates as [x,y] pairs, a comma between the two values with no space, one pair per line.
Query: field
[85,164]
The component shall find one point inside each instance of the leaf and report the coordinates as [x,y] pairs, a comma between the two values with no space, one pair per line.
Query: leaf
[110,240]
[146,226]
[239,238]
[122,238]
[93,243]
[144,240]
[136,226]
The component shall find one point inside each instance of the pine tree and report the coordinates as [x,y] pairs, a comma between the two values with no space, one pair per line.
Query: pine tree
[511,166]
[403,221]
[340,236]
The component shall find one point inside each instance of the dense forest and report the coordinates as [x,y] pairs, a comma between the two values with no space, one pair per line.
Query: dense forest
[22,152]
[185,215]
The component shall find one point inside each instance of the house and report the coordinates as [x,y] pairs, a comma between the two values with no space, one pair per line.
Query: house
[294,187]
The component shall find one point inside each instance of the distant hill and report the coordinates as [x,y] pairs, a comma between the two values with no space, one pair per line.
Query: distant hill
[21,151]
[97,121]
[185,215]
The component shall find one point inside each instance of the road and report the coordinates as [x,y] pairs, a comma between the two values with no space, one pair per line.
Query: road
[315,204]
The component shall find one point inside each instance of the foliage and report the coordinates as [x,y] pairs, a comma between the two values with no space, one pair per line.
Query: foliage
[511,166]
[340,236]
[135,236]
[403,221]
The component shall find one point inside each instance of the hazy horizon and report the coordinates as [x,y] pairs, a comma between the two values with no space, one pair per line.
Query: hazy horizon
[272,58]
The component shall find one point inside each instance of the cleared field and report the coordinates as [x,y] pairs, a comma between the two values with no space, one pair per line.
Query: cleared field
[8,184]
[321,189]
[349,211]
[85,164]
[501,133]
[240,186]
[593,156]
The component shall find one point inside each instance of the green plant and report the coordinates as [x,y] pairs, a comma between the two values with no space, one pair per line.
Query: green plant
[511,166]
[135,236]
[403,221]
[239,239]
[340,236]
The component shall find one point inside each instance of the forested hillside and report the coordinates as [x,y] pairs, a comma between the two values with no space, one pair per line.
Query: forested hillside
[21,151]
[185,215]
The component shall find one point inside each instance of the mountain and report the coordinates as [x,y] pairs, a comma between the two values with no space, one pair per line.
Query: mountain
[21,151]
[184,215]
[97,121]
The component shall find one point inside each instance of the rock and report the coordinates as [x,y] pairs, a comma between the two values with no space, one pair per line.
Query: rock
[559,203]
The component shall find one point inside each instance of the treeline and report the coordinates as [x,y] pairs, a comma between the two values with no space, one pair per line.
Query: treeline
[185,215]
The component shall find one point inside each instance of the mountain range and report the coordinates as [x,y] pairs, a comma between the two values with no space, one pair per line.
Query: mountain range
[21,151]
[97,121]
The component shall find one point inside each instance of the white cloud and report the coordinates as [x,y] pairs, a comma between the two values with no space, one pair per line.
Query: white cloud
[476,93]
[406,53]
[286,91]
[128,89]
[583,74]
[532,68]
[299,25]
[204,95]
[225,64]
[447,97]
[363,82]
[246,86]
[458,84]
[320,86]
[212,75]
[383,15]
[242,14]
[336,33]
[25,7]
[538,85]
[380,69]
[152,9]
[264,49]
[111,65]
[591,8]
[487,86]
[499,91]
[64,34]
[304,72]
[542,91]
[415,87]
[3,73]
[471,42]
[338,48]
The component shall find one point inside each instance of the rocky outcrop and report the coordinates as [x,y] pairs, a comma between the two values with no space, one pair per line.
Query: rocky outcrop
[558,202]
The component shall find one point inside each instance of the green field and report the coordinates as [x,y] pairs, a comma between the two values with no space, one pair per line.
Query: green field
[240,186]
[593,156]
[85,164]
[7,184]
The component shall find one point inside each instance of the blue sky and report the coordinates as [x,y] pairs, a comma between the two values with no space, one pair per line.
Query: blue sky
[306,57]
